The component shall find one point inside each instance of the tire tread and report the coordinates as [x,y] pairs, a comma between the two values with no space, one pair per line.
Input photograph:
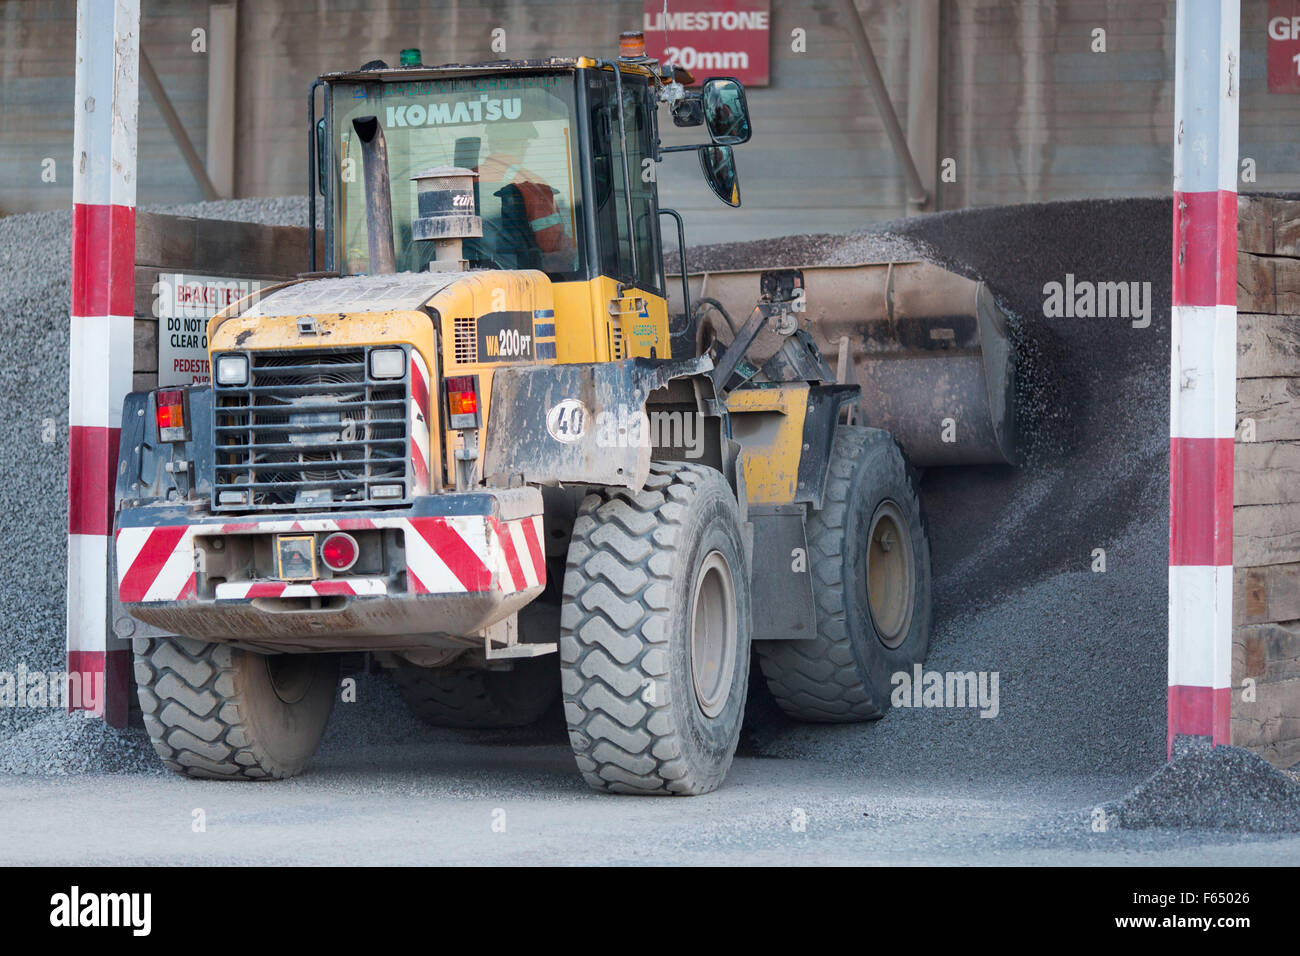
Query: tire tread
[193,718]
[613,637]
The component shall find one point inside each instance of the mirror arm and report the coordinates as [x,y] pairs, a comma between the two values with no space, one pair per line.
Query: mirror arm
[683,149]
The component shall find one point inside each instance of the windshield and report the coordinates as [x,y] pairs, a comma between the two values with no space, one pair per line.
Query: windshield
[514,131]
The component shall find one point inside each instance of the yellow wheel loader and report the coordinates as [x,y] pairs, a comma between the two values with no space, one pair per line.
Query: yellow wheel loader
[477,447]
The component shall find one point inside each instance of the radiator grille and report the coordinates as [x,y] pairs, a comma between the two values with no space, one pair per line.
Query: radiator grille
[466,344]
[311,428]
[617,350]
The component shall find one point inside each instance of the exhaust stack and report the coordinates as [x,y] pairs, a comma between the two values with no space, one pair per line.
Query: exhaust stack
[379,194]
[446,214]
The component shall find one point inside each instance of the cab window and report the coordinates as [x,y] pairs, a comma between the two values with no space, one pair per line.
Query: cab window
[615,237]
[514,131]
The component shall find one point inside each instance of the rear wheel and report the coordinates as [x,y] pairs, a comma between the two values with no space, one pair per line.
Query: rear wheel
[655,634]
[217,712]
[870,560]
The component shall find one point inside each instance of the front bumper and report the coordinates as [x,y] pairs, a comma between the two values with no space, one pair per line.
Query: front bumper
[453,565]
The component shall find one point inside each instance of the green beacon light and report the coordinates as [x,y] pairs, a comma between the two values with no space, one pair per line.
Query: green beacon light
[411,57]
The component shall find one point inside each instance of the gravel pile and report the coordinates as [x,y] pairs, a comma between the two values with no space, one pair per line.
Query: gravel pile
[60,744]
[1080,654]
[276,211]
[1220,788]
[790,252]
[35,291]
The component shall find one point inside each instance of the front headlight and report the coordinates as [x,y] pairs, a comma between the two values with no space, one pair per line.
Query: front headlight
[232,370]
[387,363]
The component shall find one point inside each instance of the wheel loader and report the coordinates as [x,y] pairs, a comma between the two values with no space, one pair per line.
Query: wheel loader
[484,445]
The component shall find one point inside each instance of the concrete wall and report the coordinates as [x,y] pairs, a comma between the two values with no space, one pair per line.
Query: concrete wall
[38,43]
[1028,112]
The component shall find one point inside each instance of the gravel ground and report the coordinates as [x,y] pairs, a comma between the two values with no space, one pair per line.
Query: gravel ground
[1080,655]
[437,802]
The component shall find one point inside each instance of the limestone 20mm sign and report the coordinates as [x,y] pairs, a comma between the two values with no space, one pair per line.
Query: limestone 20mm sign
[712,38]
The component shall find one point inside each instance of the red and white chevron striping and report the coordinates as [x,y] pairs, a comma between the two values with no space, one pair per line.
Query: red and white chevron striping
[444,555]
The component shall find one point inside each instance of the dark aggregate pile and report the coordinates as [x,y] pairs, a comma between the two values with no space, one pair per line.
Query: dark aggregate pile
[1080,655]
[1220,788]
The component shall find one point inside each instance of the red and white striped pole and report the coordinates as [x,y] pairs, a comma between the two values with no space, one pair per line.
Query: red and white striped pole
[102,318]
[1203,387]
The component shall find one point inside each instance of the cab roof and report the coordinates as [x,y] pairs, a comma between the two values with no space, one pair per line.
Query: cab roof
[556,64]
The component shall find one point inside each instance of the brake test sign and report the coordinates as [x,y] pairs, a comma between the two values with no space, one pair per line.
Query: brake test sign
[712,37]
[184,303]
[1284,46]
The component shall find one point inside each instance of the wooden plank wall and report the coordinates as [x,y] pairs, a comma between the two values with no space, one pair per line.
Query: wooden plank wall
[236,250]
[1266,513]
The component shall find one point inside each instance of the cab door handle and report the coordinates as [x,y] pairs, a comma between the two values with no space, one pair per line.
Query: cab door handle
[639,305]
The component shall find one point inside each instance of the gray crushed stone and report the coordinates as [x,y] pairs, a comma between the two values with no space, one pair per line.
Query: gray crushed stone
[826,249]
[1219,788]
[276,211]
[35,291]
[60,745]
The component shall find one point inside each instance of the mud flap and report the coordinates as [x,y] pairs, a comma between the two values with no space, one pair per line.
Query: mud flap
[784,608]
[582,423]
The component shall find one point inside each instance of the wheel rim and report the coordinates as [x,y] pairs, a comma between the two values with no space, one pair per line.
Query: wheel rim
[891,574]
[290,675]
[713,633]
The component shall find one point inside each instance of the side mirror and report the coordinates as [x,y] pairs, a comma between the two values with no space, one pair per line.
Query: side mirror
[322,155]
[719,165]
[725,111]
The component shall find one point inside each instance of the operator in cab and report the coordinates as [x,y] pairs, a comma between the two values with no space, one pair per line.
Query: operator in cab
[523,224]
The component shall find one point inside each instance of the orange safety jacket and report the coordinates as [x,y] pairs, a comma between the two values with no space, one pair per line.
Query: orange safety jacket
[539,205]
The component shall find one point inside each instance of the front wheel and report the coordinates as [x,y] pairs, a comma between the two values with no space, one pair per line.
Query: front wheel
[655,634]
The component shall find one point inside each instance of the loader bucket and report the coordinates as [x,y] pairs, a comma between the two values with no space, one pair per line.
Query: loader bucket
[929,348]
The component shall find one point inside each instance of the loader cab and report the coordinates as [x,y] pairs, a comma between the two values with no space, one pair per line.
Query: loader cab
[564,154]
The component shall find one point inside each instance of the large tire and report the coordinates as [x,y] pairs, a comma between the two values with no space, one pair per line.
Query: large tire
[474,698]
[843,673]
[220,713]
[655,633]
